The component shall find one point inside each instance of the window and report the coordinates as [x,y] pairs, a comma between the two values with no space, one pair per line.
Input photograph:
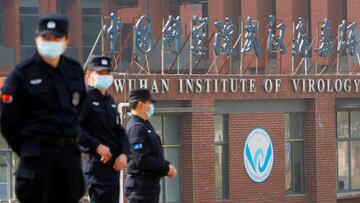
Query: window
[1,21]
[127,4]
[348,150]
[294,153]
[308,21]
[168,129]
[221,156]
[5,175]
[344,5]
[62,6]
[92,15]
[29,15]
[8,163]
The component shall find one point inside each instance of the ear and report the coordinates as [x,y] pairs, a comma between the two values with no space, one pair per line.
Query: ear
[37,38]
[140,104]
[67,38]
[89,78]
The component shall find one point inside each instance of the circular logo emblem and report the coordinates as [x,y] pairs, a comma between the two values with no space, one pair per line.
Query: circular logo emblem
[258,155]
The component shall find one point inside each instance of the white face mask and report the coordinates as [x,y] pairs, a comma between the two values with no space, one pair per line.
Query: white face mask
[50,49]
[103,82]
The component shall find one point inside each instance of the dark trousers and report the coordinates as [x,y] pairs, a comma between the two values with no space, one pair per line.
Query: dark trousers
[102,181]
[49,175]
[142,201]
[104,193]
[142,190]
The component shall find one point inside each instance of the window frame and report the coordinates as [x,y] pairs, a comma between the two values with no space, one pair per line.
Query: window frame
[1,22]
[292,142]
[225,151]
[84,16]
[169,146]
[348,140]
[10,182]
[24,46]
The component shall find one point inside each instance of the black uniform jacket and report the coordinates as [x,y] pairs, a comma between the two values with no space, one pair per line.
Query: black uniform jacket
[101,124]
[147,154]
[40,100]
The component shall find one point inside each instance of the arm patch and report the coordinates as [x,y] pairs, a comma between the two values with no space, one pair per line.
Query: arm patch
[137,146]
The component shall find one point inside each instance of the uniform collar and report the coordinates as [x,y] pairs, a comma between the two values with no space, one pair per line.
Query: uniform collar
[138,118]
[97,93]
[48,68]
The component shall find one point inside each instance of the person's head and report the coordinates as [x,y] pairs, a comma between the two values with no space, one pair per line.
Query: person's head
[141,102]
[52,35]
[100,72]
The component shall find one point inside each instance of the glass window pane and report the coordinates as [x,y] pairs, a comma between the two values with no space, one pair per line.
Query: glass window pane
[91,3]
[1,22]
[156,122]
[162,185]
[87,49]
[288,168]
[29,16]
[298,167]
[342,120]
[62,6]
[294,125]
[355,123]
[91,10]
[127,3]
[26,52]
[29,7]
[91,29]
[221,157]
[3,143]
[343,165]
[28,26]
[219,128]
[355,165]
[172,190]
[29,3]
[4,175]
[219,171]
[171,130]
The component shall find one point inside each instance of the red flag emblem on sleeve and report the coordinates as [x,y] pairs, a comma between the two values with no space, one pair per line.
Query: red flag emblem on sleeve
[6,98]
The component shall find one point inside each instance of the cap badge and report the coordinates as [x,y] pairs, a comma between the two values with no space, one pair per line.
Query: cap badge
[104,62]
[51,25]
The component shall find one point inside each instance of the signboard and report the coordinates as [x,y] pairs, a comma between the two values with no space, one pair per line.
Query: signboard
[236,85]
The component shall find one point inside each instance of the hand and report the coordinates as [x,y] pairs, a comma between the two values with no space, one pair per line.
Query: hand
[104,152]
[172,171]
[120,162]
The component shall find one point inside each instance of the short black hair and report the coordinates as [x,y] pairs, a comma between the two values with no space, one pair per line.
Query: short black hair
[133,104]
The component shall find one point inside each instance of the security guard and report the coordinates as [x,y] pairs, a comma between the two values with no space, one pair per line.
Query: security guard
[147,164]
[104,138]
[40,104]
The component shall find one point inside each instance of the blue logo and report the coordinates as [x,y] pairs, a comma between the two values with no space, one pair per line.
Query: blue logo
[258,155]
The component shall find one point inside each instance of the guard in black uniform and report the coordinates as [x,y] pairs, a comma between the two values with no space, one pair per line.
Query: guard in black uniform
[147,164]
[40,104]
[104,138]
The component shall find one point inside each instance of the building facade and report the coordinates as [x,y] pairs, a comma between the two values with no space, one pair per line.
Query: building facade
[209,105]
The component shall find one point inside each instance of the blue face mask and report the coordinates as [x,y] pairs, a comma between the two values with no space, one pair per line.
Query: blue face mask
[151,111]
[50,49]
[103,82]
